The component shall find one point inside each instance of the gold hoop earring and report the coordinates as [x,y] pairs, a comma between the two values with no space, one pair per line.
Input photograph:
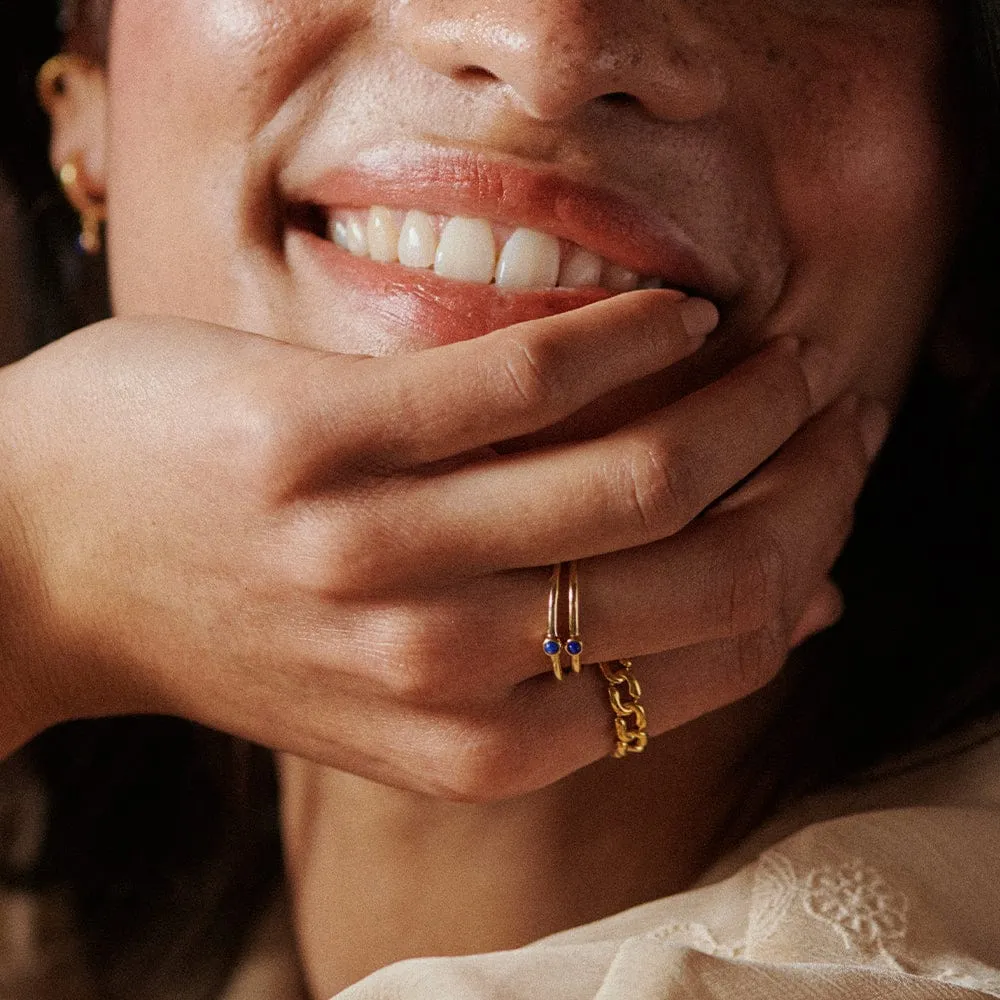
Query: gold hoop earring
[50,84]
[89,207]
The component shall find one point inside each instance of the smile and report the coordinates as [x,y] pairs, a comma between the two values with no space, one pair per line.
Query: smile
[427,246]
[478,251]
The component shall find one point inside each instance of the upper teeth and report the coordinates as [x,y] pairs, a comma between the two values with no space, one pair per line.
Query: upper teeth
[466,249]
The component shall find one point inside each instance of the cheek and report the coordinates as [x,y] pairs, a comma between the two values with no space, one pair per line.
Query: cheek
[229,61]
[862,180]
[193,86]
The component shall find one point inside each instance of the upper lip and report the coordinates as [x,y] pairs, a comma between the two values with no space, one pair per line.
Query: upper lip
[623,229]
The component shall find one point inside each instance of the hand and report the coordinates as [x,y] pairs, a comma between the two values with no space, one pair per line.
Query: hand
[323,554]
[164,508]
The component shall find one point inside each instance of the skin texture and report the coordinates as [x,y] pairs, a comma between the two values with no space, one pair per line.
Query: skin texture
[383,514]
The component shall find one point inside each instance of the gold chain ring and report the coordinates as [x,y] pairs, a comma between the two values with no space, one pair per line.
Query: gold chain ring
[630,716]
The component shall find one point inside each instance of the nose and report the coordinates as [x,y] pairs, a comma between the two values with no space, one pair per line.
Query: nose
[554,56]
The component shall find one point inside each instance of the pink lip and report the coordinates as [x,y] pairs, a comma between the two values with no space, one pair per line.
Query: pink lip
[437,310]
[464,183]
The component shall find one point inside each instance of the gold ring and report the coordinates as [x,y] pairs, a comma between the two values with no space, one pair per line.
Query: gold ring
[552,644]
[574,646]
[630,716]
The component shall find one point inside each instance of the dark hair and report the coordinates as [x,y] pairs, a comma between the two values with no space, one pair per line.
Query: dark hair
[918,650]
[163,832]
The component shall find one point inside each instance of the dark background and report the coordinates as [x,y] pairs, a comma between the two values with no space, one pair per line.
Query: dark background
[28,35]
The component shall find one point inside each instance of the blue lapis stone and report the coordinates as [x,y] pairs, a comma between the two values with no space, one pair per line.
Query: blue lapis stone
[574,647]
[551,646]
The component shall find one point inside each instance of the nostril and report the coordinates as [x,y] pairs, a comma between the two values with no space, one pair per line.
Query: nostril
[474,74]
[619,99]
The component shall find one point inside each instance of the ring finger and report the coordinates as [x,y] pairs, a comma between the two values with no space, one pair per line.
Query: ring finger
[748,568]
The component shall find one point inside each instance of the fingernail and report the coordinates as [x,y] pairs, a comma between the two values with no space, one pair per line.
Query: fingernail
[700,318]
[819,369]
[874,420]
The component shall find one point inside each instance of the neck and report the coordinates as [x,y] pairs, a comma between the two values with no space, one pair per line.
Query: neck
[378,874]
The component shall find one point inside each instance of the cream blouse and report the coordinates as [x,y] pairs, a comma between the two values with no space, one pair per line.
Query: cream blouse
[887,888]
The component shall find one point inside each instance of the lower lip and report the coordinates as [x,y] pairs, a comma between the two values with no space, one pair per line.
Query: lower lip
[433,310]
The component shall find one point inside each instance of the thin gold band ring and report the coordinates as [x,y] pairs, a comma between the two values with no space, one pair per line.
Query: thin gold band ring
[552,644]
[574,645]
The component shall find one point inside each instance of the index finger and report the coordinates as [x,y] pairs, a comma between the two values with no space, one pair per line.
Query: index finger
[419,408]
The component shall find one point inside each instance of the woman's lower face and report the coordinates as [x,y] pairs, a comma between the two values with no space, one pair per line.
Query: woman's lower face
[384,176]
[784,159]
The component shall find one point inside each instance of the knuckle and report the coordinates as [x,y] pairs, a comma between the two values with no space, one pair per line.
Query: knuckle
[658,488]
[257,437]
[527,383]
[475,761]
[418,671]
[335,564]
[342,555]
[347,570]
[412,679]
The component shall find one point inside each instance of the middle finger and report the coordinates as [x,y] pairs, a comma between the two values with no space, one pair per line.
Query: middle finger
[636,486]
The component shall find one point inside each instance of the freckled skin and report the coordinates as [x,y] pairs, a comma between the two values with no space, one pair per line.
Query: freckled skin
[797,144]
[768,130]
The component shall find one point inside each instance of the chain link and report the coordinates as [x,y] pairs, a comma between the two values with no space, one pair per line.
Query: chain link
[630,716]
